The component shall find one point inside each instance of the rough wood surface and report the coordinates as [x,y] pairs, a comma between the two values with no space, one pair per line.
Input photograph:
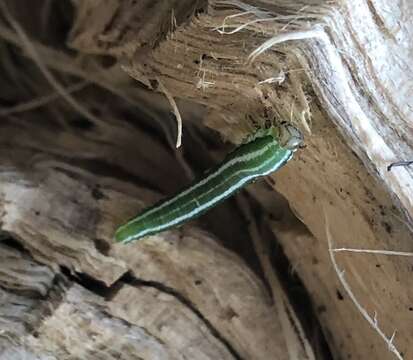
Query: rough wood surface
[60,320]
[65,215]
[337,70]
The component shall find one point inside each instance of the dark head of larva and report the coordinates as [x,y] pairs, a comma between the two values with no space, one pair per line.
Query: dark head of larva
[289,136]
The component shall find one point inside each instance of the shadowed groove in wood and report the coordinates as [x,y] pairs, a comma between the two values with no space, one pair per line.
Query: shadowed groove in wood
[131,280]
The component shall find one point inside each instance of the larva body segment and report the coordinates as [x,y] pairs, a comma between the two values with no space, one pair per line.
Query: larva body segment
[259,157]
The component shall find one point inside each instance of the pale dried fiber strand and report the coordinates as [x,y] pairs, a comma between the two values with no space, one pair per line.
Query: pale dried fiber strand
[379,252]
[315,32]
[221,29]
[233,16]
[176,112]
[372,321]
[246,7]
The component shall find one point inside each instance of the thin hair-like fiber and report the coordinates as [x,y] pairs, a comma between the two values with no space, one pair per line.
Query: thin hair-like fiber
[340,273]
[175,110]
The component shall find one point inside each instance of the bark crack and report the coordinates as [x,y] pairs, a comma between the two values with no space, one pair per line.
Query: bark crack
[136,282]
[109,292]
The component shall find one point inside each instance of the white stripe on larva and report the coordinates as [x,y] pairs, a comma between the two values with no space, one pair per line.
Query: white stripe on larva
[224,166]
[192,213]
[212,189]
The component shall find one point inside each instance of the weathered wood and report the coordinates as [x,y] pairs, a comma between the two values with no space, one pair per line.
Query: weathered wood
[129,326]
[65,215]
[24,285]
[340,72]
[62,320]
[122,27]
[336,70]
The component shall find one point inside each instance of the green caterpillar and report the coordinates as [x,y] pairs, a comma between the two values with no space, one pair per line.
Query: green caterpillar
[263,153]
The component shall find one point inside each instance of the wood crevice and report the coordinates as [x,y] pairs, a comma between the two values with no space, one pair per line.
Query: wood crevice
[130,279]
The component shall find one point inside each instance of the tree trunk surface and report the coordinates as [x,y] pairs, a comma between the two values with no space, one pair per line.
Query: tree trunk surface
[314,262]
